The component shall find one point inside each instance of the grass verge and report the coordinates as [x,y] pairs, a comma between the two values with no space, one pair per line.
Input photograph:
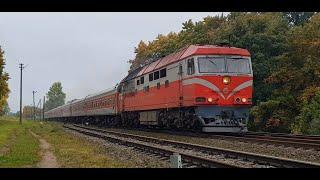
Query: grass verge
[73,151]
[18,148]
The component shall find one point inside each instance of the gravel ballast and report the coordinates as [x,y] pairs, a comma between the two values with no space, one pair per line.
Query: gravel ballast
[123,153]
[266,149]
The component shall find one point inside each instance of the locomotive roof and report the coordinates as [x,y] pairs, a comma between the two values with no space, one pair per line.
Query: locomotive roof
[132,74]
[184,53]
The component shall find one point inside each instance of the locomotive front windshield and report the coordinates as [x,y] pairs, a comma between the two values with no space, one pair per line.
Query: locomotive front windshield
[224,65]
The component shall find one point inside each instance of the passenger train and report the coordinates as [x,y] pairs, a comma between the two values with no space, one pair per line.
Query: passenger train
[200,87]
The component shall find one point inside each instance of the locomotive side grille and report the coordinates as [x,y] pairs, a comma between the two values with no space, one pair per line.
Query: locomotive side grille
[200,99]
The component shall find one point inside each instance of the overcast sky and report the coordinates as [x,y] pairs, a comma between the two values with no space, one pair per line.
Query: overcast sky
[86,52]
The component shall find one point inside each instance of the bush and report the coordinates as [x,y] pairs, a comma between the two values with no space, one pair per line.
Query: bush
[274,115]
[308,122]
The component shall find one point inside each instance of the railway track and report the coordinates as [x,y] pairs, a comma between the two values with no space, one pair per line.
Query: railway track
[309,142]
[283,135]
[196,155]
[296,141]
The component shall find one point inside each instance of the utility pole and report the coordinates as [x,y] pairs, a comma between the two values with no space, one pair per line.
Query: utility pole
[34,106]
[21,68]
[38,108]
[44,101]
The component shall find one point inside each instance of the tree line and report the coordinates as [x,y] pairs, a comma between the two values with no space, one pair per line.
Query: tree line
[285,49]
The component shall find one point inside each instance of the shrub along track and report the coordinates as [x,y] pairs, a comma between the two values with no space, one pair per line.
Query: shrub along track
[195,155]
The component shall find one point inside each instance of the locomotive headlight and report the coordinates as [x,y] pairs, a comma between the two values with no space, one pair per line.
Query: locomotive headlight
[210,100]
[244,100]
[226,80]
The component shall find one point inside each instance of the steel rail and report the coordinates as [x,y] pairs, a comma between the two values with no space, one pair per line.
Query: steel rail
[264,139]
[283,135]
[260,138]
[263,159]
[193,159]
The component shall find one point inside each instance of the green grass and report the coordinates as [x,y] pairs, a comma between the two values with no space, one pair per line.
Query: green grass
[73,151]
[18,148]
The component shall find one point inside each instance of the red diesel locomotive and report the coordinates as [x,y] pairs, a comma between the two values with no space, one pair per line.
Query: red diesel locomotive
[202,87]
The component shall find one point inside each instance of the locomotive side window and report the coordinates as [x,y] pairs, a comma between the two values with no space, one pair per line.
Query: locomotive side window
[180,69]
[190,67]
[142,80]
[163,73]
[156,75]
[151,77]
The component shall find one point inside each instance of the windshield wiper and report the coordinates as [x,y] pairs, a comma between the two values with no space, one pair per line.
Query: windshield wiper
[213,63]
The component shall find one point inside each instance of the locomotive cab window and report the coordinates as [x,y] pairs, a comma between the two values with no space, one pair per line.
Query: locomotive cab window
[142,80]
[156,75]
[190,66]
[163,73]
[211,64]
[238,65]
[151,77]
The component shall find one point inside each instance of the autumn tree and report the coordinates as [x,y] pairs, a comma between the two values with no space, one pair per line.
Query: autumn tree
[5,110]
[55,96]
[202,32]
[28,112]
[296,79]
[298,18]
[4,88]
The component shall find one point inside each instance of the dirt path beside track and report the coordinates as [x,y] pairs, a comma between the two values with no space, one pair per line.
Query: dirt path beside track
[48,158]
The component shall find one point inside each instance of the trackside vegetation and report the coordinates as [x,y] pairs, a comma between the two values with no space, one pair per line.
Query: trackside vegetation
[19,148]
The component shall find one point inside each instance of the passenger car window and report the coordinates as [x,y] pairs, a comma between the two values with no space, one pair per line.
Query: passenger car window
[190,66]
